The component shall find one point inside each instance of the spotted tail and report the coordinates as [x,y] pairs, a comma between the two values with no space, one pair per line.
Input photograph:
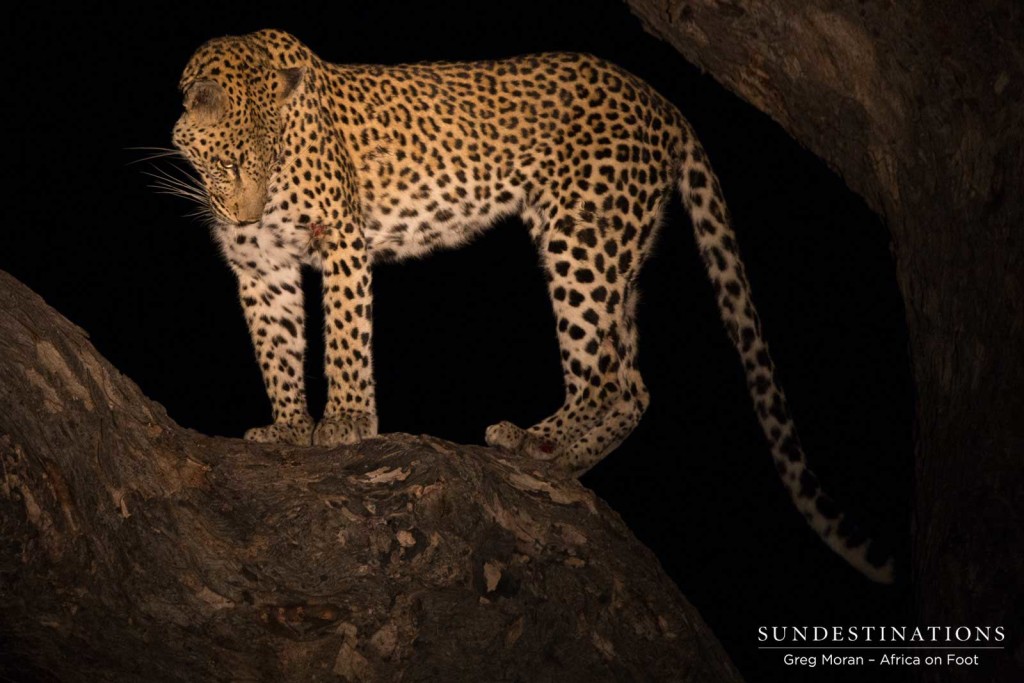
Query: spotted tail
[702,197]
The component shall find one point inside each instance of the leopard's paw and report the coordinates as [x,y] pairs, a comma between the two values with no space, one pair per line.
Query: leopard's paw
[297,431]
[519,440]
[345,428]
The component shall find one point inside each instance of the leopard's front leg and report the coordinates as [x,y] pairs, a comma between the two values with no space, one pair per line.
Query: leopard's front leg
[271,296]
[351,411]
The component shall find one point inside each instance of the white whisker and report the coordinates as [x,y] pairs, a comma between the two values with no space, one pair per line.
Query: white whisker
[180,181]
[154,153]
[180,188]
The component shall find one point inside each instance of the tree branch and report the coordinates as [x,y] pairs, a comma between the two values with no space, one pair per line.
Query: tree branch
[135,549]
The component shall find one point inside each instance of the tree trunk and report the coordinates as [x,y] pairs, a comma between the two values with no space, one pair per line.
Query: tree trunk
[920,107]
[134,549]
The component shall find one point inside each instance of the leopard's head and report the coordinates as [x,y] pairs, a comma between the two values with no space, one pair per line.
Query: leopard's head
[236,90]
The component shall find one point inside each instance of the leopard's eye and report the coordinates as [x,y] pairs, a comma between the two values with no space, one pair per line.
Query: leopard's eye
[225,165]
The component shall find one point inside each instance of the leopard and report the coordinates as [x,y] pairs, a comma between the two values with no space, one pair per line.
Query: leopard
[304,163]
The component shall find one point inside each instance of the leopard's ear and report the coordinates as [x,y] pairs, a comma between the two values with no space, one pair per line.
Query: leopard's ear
[206,101]
[289,82]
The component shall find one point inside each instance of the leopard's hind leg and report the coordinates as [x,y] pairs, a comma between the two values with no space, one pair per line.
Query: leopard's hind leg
[591,263]
[629,401]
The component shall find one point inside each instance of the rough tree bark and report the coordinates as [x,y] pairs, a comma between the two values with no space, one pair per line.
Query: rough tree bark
[919,105]
[134,549]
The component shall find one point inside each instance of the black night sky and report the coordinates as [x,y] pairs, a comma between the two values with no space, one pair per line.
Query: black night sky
[466,338]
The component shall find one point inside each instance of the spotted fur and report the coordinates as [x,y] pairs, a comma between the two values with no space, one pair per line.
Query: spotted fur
[339,167]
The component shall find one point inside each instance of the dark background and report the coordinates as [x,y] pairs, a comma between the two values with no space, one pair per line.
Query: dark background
[464,339]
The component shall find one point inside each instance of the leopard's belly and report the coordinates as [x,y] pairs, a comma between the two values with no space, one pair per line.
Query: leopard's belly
[408,218]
